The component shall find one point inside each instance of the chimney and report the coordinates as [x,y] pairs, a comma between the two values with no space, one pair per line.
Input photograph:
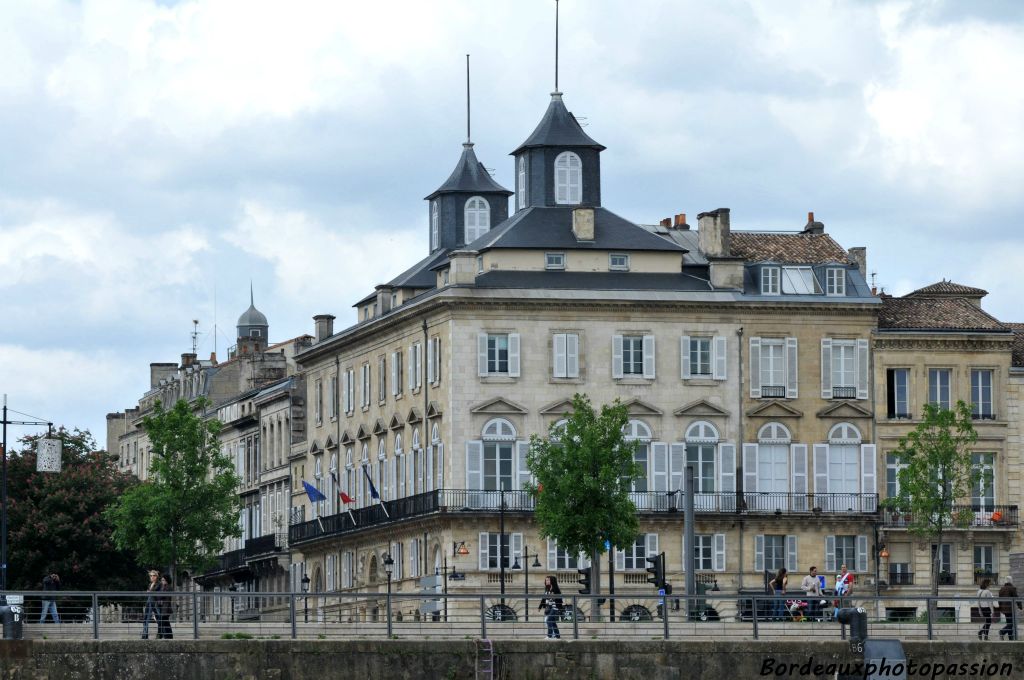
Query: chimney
[813,227]
[680,222]
[158,372]
[859,255]
[667,222]
[324,324]
[464,267]
[583,224]
[187,359]
[713,232]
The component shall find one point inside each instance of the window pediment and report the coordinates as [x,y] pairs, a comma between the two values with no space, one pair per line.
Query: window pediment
[396,422]
[499,405]
[701,407]
[844,409]
[775,409]
[638,407]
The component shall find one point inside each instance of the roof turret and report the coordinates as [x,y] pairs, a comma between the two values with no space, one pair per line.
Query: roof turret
[558,127]
[470,177]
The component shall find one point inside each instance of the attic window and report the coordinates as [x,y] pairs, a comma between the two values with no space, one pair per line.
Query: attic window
[444,277]
[568,178]
[835,281]
[254,332]
[394,300]
[799,281]
[477,218]
[554,260]
[521,183]
[769,281]
[618,262]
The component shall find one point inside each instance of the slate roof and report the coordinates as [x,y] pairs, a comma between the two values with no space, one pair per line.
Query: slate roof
[687,238]
[551,227]
[786,247]
[935,314]
[948,288]
[558,127]
[1017,358]
[470,177]
[556,280]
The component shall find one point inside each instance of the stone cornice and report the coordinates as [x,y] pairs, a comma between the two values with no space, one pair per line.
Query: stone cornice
[958,342]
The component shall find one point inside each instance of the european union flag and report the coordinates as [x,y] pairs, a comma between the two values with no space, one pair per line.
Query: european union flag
[313,492]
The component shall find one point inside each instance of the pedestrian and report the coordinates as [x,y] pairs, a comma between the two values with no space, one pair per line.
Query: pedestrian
[149,609]
[552,607]
[986,602]
[1007,599]
[811,585]
[777,587]
[164,609]
[51,583]
[844,588]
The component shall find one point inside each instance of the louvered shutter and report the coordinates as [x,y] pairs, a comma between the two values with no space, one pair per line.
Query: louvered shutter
[684,357]
[718,563]
[430,360]
[652,544]
[552,555]
[830,553]
[482,552]
[868,477]
[826,368]
[419,365]
[440,466]
[559,358]
[474,466]
[428,481]
[394,478]
[863,363]
[620,560]
[513,355]
[792,373]
[820,469]
[395,387]
[750,469]
[659,466]
[676,462]
[649,356]
[410,365]
[720,347]
[616,356]
[522,470]
[481,355]
[515,549]
[755,368]
[791,560]
[862,554]
[727,475]
[798,453]
[572,355]
[759,553]
[345,392]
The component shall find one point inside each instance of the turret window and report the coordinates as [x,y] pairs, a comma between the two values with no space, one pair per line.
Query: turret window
[521,183]
[435,225]
[568,178]
[478,218]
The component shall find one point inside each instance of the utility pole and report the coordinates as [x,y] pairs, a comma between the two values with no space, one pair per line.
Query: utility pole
[688,540]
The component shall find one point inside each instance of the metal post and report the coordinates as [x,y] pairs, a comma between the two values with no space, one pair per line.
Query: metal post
[575,618]
[291,609]
[3,520]
[446,588]
[389,604]
[928,608]
[195,615]
[688,538]
[501,547]
[526,584]
[483,620]
[95,616]
[664,614]
[611,584]
[753,612]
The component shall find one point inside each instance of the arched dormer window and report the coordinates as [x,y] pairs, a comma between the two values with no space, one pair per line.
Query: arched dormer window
[701,432]
[774,433]
[477,218]
[498,429]
[435,225]
[568,178]
[844,433]
[521,183]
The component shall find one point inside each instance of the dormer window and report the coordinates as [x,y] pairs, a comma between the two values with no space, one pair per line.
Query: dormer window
[254,332]
[394,300]
[435,225]
[444,277]
[769,280]
[618,262]
[568,178]
[479,264]
[799,281]
[835,281]
[521,183]
[554,260]
[478,218]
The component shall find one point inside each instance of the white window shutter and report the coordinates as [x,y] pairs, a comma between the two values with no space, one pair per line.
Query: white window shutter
[559,359]
[798,454]
[652,544]
[440,466]
[862,554]
[345,392]
[394,478]
[552,555]
[523,471]
[792,374]
[826,368]
[430,360]
[750,468]
[474,465]
[830,553]
[720,348]
[513,355]
[659,466]
[683,554]
[820,468]
[755,368]
[649,356]
[395,389]
[616,356]
[620,561]
[482,552]
[410,365]
[727,468]
[759,553]
[572,355]
[684,357]
[862,368]
[419,366]
[428,483]
[718,562]
[676,463]
[791,560]
[868,476]
[515,548]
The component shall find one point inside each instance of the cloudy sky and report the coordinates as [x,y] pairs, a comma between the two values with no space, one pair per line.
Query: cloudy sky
[157,156]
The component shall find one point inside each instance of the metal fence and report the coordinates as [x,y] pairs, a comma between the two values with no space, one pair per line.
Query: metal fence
[712,615]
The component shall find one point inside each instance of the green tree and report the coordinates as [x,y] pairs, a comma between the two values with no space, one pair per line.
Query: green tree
[189,505]
[936,473]
[583,473]
[56,521]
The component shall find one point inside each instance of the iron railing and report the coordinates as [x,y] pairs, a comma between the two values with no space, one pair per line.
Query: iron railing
[844,392]
[261,545]
[901,578]
[773,391]
[233,559]
[963,517]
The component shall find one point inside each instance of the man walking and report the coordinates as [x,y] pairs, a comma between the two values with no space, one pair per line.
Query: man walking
[1007,601]
[812,586]
[50,583]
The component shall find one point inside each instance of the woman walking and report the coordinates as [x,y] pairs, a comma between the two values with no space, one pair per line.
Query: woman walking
[149,610]
[778,589]
[986,605]
[164,609]
[552,606]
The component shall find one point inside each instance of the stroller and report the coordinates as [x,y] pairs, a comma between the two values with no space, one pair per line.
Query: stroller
[797,609]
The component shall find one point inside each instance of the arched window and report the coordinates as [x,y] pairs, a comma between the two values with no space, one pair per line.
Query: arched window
[350,473]
[774,433]
[382,450]
[414,483]
[318,471]
[331,492]
[498,429]
[844,461]
[521,183]
[558,429]
[702,432]
[638,431]
[384,487]
[568,178]
[399,467]
[701,445]
[435,225]
[772,466]
[478,218]
[844,433]
[435,434]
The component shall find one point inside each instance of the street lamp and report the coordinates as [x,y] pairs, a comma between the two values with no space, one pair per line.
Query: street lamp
[501,547]
[305,604]
[233,588]
[526,577]
[388,566]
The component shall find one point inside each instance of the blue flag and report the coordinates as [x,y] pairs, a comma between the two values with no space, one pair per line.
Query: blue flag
[373,490]
[313,492]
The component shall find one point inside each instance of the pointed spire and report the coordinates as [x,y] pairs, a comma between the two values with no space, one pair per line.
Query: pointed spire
[556,48]
[252,302]
[469,138]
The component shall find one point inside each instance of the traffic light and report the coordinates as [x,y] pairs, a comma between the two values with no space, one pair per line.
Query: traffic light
[656,571]
[584,580]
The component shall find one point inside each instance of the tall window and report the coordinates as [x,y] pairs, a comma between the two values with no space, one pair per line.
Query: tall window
[636,554]
[497,353]
[703,550]
[700,356]
[435,225]
[835,281]
[938,387]
[773,365]
[846,552]
[984,559]
[892,475]
[844,459]
[844,363]
[897,392]
[568,178]
[332,396]
[381,382]
[945,560]
[981,394]
[498,460]
[983,492]
[477,218]
[521,183]
[319,411]
[774,552]
[632,355]
[639,432]
[701,441]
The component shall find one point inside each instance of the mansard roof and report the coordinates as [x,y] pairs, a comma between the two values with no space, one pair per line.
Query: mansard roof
[558,127]
[470,177]
[561,280]
[786,247]
[935,314]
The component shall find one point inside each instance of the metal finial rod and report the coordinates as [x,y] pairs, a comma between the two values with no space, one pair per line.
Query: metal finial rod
[469,137]
[556,45]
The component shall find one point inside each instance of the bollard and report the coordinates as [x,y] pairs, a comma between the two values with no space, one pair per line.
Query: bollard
[14,625]
[857,620]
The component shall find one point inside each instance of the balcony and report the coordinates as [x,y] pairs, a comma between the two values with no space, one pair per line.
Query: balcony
[947,579]
[773,391]
[844,392]
[234,559]
[980,576]
[261,545]
[901,578]
[983,517]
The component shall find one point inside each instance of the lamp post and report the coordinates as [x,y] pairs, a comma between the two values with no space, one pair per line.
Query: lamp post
[526,577]
[459,549]
[305,604]
[233,588]
[501,549]
[388,566]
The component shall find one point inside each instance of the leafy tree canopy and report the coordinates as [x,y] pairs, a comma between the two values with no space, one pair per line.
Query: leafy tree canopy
[56,521]
[583,473]
[189,504]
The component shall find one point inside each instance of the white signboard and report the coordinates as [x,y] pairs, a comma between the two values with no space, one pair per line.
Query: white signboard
[48,452]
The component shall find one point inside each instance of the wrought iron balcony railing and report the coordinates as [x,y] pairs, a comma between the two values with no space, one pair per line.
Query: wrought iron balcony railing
[963,517]
[235,559]
[262,545]
[901,578]
[844,392]
[773,391]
